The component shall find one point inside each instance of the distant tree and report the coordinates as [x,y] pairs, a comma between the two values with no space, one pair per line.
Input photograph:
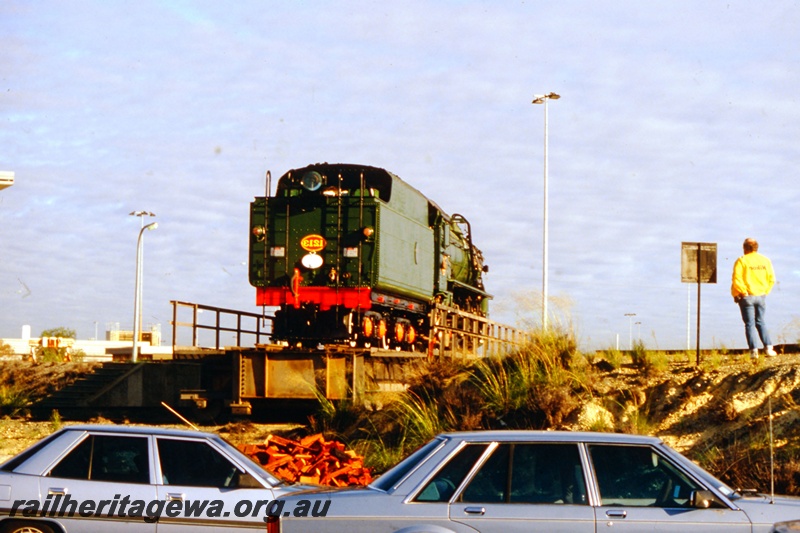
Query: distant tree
[60,331]
[6,349]
[48,354]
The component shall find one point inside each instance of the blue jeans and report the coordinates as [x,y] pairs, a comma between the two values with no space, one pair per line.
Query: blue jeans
[754,311]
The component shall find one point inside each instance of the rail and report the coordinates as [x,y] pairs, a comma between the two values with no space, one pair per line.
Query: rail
[221,316]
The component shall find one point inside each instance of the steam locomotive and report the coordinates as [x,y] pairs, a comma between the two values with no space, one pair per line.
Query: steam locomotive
[353,254]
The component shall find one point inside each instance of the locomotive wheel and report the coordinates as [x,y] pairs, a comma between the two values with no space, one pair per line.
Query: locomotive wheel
[399,332]
[367,327]
[411,335]
[399,336]
[382,330]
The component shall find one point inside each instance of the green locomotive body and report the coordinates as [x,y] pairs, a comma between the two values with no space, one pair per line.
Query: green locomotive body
[352,253]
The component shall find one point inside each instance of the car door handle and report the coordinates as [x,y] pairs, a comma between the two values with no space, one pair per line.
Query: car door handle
[616,513]
[175,496]
[475,510]
[56,491]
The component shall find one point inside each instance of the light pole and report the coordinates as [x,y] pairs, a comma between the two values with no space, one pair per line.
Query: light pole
[542,99]
[630,329]
[140,262]
[137,301]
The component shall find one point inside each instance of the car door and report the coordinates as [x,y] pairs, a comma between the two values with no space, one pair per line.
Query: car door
[203,485]
[527,487]
[103,483]
[641,490]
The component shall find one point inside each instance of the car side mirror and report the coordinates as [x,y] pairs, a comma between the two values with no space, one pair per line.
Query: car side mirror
[704,499]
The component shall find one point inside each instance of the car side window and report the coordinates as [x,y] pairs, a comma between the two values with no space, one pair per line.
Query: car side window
[194,464]
[490,483]
[529,473]
[547,473]
[444,484]
[637,476]
[107,458]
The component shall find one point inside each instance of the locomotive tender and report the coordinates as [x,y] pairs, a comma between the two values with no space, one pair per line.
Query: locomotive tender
[353,254]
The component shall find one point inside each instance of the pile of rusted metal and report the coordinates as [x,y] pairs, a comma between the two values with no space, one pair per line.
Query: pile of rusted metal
[311,460]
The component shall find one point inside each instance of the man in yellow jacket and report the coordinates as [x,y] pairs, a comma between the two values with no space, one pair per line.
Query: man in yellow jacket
[753,279]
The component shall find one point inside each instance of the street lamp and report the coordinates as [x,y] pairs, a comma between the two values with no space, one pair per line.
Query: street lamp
[142,214]
[542,99]
[630,329]
[140,261]
[137,300]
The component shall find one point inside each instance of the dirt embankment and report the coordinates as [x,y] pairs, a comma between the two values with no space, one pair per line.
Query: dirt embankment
[714,414]
[699,409]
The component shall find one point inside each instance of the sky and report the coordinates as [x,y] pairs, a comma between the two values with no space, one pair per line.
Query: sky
[678,121]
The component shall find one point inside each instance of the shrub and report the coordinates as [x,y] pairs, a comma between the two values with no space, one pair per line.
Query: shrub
[613,357]
[13,400]
[55,420]
[651,362]
[378,455]
[639,354]
[712,361]
[6,349]
[656,363]
[336,417]
[422,419]
[534,387]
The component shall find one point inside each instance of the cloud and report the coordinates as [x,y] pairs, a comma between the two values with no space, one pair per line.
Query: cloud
[676,122]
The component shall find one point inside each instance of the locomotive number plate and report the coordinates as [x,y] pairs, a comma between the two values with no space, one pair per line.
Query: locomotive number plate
[313,243]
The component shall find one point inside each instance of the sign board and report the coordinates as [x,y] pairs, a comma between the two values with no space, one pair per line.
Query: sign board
[699,262]
[313,243]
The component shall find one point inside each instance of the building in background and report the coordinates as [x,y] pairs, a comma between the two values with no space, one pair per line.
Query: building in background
[117,341]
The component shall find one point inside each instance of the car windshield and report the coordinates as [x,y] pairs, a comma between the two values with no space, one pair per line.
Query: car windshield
[396,474]
[234,451]
[727,491]
[14,462]
[700,472]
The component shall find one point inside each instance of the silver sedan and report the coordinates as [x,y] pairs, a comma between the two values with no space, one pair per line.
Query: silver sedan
[94,478]
[528,481]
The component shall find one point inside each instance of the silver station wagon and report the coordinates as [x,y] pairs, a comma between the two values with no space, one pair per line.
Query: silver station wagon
[94,478]
[530,481]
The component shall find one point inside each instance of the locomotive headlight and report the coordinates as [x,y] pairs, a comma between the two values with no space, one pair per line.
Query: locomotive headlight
[259,232]
[311,261]
[368,232]
[311,181]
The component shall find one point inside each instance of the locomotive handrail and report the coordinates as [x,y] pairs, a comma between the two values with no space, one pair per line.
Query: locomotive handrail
[454,333]
[460,334]
[217,327]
